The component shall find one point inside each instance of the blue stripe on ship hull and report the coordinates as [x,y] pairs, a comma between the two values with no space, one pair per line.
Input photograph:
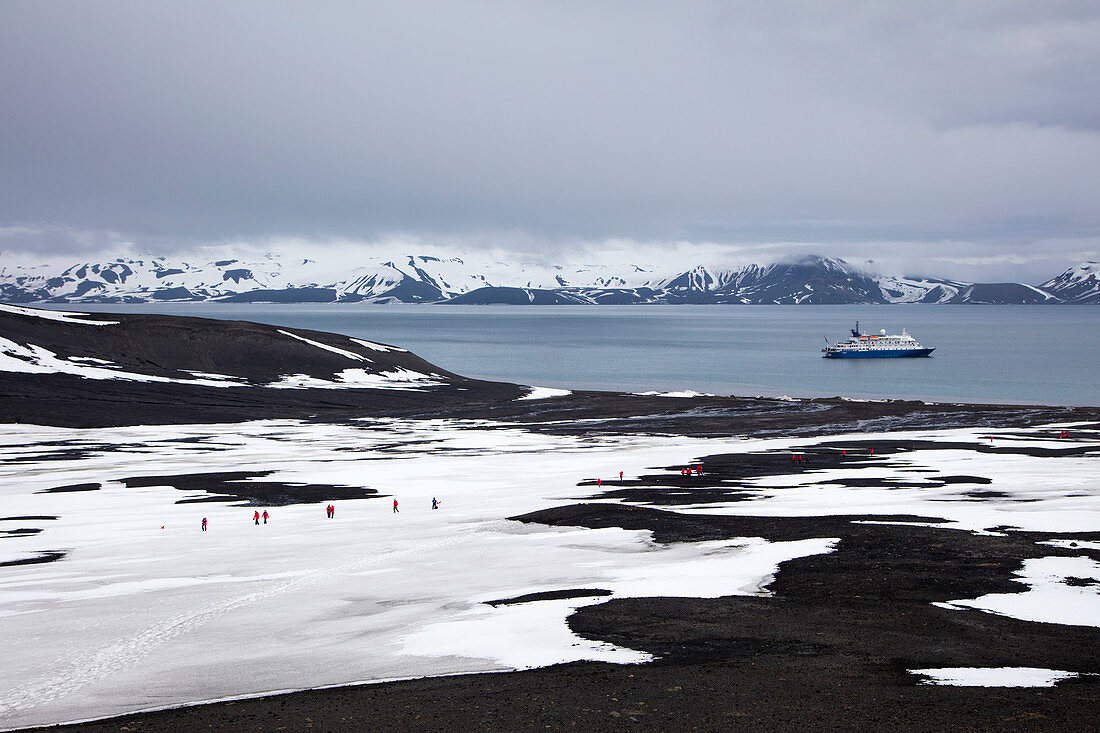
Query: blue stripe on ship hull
[879,354]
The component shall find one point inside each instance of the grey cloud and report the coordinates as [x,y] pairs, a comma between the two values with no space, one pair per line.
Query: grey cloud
[49,239]
[830,121]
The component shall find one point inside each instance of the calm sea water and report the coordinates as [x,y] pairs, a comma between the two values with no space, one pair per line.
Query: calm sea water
[1001,354]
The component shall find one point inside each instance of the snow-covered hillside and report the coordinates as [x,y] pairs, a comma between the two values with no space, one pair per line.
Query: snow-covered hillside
[486,278]
[1078,284]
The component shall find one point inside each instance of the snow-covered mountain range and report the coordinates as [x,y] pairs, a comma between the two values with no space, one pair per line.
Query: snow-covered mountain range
[480,279]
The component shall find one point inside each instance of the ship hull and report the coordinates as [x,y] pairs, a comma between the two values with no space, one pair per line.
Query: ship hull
[879,353]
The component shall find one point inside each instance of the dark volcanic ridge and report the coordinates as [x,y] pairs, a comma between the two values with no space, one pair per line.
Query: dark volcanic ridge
[77,370]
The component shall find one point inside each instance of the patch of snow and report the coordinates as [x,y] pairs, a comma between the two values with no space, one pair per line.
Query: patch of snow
[1037,291]
[326,347]
[32,359]
[361,379]
[519,636]
[682,393]
[376,347]
[993,676]
[64,316]
[1072,544]
[94,360]
[210,375]
[1050,598]
[542,393]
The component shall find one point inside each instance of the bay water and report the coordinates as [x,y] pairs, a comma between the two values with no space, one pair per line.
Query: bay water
[1006,354]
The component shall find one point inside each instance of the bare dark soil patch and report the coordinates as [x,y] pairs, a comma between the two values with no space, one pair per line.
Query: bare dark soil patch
[550,595]
[70,488]
[42,557]
[20,532]
[240,486]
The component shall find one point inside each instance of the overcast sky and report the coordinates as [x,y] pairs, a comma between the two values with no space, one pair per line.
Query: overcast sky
[955,138]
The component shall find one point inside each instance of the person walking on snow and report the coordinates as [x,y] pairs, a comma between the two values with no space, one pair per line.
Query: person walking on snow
[204,524]
[395,507]
[265,516]
[256,516]
[435,503]
[620,475]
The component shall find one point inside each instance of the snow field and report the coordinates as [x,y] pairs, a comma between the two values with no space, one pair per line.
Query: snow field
[136,616]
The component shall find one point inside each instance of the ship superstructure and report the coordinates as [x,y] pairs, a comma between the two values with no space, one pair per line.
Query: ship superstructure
[871,346]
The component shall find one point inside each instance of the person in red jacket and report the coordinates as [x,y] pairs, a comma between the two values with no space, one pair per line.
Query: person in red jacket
[265,516]
[256,516]
[204,524]
[395,507]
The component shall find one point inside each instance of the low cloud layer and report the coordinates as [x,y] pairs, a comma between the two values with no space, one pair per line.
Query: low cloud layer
[899,128]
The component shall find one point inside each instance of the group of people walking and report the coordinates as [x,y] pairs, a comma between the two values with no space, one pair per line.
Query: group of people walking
[330,512]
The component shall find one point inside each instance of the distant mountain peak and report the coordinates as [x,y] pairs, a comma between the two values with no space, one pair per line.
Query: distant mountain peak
[1078,284]
[805,279]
